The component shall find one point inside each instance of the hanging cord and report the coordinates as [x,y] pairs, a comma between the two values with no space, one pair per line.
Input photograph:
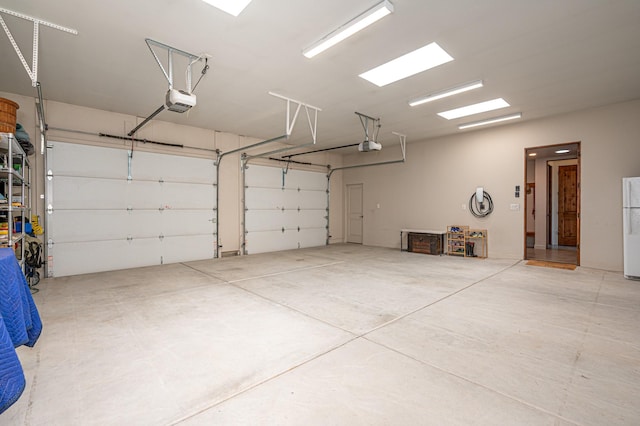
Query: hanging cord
[482,209]
[202,73]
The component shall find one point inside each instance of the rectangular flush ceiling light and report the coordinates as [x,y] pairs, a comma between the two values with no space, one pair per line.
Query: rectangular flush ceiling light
[474,109]
[358,23]
[419,60]
[232,7]
[445,93]
[491,121]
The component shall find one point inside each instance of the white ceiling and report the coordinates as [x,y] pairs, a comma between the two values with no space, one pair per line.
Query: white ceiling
[544,57]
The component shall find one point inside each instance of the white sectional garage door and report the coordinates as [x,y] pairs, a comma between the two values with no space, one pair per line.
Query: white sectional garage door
[284,210]
[109,211]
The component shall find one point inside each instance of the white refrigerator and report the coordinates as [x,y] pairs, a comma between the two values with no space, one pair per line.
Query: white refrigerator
[631,226]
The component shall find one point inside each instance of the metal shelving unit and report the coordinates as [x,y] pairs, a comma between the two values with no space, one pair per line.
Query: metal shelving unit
[15,177]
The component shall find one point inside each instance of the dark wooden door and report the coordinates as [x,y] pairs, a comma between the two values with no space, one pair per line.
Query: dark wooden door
[568,205]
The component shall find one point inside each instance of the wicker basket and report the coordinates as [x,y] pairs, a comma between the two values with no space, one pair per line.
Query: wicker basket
[8,115]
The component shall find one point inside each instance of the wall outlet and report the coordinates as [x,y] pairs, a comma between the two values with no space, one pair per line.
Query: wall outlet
[515,207]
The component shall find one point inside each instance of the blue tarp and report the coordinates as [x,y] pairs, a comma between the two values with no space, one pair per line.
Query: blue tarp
[19,325]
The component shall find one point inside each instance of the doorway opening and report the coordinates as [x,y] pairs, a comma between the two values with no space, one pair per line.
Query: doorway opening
[552,203]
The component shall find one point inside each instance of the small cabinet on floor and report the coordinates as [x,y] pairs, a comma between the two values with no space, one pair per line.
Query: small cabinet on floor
[425,242]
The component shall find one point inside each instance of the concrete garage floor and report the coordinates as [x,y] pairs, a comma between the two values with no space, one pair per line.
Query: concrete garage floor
[335,335]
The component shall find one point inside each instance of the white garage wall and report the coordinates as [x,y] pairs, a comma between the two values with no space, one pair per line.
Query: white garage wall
[441,174]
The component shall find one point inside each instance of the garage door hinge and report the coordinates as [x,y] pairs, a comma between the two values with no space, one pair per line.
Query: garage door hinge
[129,158]
[49,175]
[129,238]
[161,237]
[49,209]
[50,243]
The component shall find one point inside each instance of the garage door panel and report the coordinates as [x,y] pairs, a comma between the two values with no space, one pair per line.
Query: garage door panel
[312,200]
[291,199]
[103,221]
[99,256]
[189,196]
[270,241]
[187,222]
[187,248]
[141,195]
[143,223]
[88,193]
[172,168]
[263,220]
[263,177]
[312,218]
[261,198]
[309,180]
[85,225]
[312,237]
[270,220]
[84,160]
[304,201]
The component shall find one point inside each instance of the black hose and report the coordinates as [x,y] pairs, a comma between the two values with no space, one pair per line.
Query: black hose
[482,209]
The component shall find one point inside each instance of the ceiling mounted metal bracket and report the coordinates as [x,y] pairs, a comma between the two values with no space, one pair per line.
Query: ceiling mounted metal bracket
[375,126]
[403,144]
[33,70]
[168,73]
[291,121]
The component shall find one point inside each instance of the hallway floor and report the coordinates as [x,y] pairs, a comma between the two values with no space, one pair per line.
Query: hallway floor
[342,335]
[556,254]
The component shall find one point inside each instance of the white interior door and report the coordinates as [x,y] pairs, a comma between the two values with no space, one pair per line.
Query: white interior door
[354,213]
[284,209]
[110,211]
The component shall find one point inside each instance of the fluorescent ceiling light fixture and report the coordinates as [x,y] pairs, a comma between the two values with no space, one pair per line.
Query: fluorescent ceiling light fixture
[419,60]
[490,121]
[533,154]
[358,23]
[563,151]
[448,92]
[232,7]
[474,109]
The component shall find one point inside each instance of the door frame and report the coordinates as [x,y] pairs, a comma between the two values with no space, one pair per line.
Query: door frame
[578,157]
[347,211]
